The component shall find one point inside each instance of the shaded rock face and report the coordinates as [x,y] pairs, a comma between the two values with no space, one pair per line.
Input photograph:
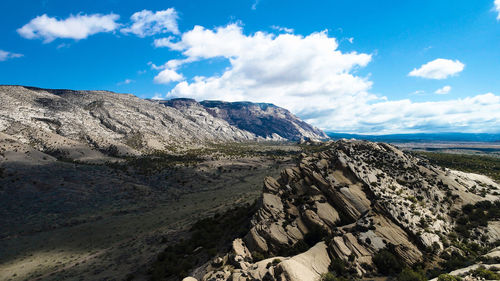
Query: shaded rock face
[352,199]
[87,125]
[262,119]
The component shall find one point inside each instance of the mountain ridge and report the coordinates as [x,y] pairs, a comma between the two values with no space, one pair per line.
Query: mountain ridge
[92,125]
[265,120]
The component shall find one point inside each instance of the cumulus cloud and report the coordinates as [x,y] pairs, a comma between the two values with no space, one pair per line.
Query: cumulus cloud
[497,8]
[74,27]
[167,76]
[438,69]
[304,74]
[4,55]
[311,77]
[443,91]
[146,23]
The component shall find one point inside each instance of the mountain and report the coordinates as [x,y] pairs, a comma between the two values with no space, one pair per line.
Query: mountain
[264,120]
[361,209]
[92,125]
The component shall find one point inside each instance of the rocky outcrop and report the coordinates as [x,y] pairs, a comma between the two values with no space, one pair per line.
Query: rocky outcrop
[348,202]
[88,125]
[264,120]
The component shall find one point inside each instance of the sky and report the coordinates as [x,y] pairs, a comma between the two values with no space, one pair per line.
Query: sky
[358,66]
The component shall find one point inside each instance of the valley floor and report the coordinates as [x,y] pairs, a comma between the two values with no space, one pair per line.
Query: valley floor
[76,221]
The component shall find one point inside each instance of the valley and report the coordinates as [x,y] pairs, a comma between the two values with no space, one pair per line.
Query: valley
[106,221]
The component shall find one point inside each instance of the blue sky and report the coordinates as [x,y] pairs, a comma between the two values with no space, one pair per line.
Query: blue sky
[345,66]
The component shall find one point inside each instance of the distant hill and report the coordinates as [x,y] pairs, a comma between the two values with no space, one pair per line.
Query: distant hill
[422,137]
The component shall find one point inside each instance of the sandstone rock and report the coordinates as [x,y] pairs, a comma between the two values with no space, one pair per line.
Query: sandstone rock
[307,266]
[368,197]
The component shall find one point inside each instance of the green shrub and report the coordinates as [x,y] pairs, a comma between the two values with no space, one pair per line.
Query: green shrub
[447,277]
[338,266]
[482,272]
[387,263]
[258,256]
[328,277]
[409,275]
[331,277]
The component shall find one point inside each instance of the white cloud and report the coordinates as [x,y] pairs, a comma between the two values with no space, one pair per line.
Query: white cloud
[74,27]
[443,91]
[167,76]
[283,29]
[497,8]
[438,69]
[480,113]
[311,77]
[146,23]
[301,73]
[4,55]
[126,82]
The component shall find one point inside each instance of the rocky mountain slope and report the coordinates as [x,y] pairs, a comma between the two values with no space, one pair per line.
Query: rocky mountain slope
[264,120]
[352,208]
[89,125]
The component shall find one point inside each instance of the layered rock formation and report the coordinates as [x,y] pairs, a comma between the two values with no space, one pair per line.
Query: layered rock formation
[84,125]
[350,201]
[264,120]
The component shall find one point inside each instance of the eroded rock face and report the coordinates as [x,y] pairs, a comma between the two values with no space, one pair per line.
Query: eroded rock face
[263,119]
[359,198]
[84,125]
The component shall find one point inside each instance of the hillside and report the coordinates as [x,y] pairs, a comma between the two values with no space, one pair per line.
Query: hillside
[95,125]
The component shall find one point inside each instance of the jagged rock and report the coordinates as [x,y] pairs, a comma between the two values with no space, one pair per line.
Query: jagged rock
[365,196]
[241,250]
[271,185]
[307,266]
[327,213]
